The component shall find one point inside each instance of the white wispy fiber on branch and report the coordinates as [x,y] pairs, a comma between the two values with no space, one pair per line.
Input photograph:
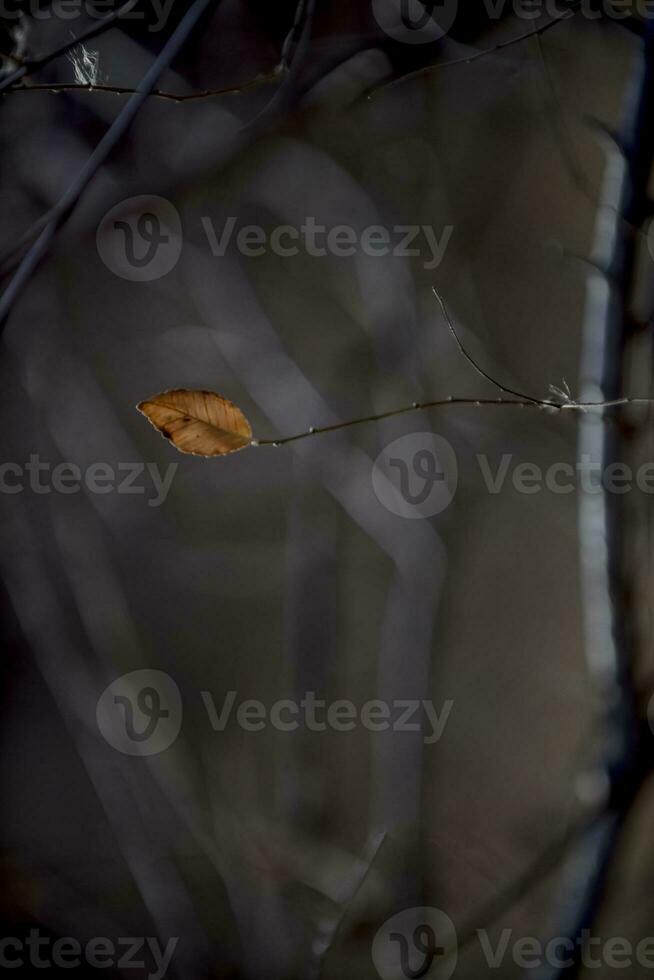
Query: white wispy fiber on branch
[86,65]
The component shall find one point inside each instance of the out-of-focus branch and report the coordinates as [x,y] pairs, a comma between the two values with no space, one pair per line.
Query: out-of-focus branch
[295,46]
[295,33]
[62,210]
[609,633]
[29,66]
[293,56]
[375,845]
[568,153]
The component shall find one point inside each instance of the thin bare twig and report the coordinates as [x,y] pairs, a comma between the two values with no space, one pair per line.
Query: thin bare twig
[484,374]
[519,399]
[446,402]
[297,42]
[477,55]
[31,65]
[57,87]
[59,214]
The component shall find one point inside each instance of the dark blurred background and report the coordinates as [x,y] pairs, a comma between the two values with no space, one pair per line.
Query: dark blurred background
[278,571]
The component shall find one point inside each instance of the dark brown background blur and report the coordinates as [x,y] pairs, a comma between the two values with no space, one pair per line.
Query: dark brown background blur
[277,572]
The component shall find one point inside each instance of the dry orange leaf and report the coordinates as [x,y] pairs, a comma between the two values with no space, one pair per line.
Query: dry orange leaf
[198,422]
